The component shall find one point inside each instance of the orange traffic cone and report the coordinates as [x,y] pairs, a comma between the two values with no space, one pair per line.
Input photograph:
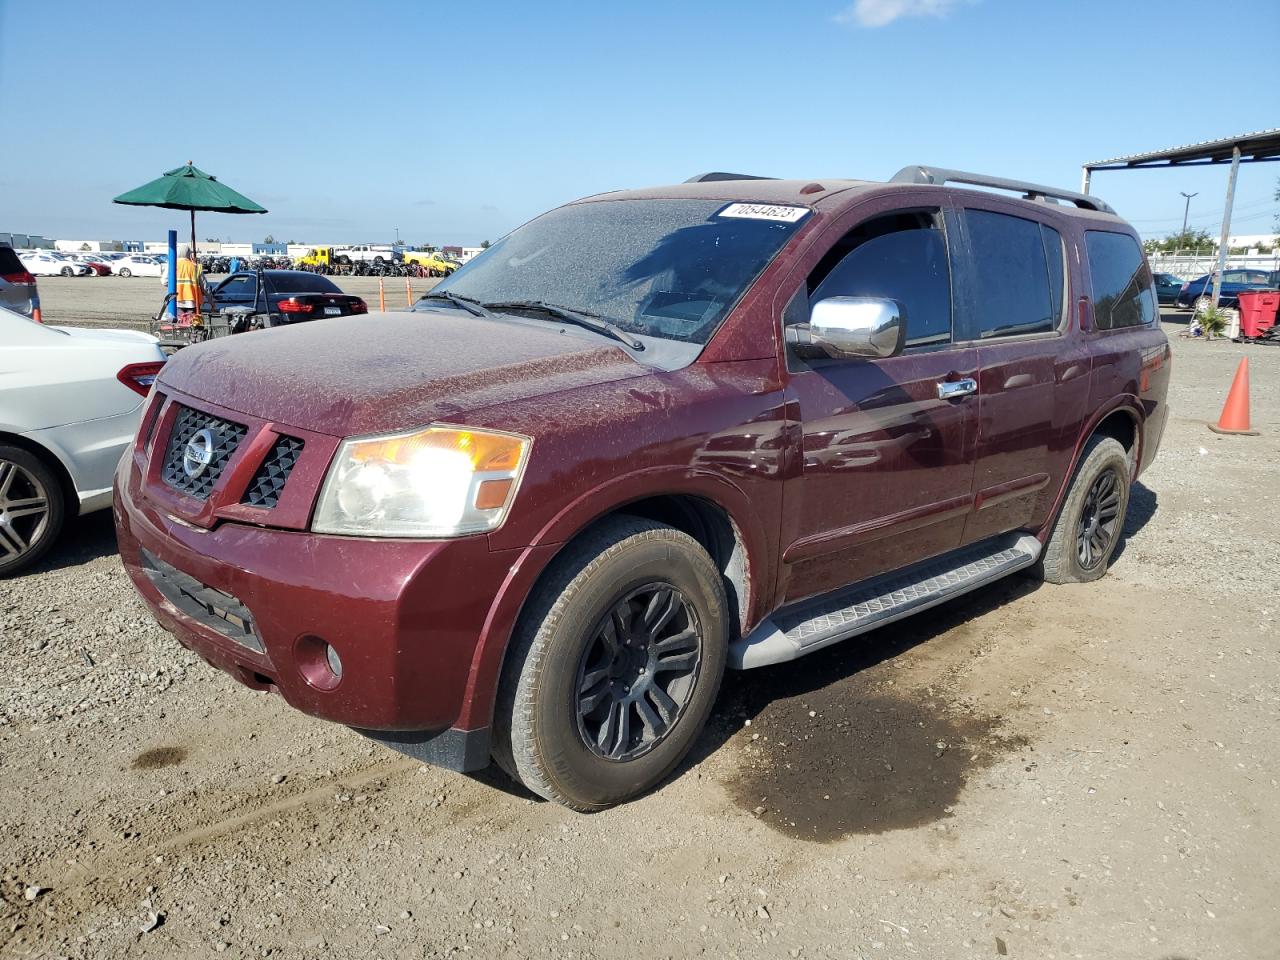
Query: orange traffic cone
[35,315]
[1235,412]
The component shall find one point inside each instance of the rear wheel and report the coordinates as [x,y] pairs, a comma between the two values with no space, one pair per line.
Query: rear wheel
[615,666]
[1088,528]
[126,272]
[31,508]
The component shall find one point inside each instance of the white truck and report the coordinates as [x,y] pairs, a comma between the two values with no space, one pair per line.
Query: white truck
[369,252]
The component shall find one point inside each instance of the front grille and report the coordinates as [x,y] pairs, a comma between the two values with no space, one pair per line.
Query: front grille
[217,610]
[225,436]
[264,489]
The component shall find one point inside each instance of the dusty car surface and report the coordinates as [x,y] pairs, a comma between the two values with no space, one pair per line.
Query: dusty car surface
[649,435]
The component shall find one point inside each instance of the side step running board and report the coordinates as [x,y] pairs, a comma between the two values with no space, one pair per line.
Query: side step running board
[812,624]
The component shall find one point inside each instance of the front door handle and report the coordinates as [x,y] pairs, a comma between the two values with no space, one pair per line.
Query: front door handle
[950,389]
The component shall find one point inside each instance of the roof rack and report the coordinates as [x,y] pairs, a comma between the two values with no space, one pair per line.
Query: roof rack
[720,175]
[1029,191]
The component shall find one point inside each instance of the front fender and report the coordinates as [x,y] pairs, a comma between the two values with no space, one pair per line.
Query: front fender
[579,514]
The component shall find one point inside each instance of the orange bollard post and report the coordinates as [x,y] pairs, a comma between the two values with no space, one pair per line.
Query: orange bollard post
[1235,412]
[408,292]
[382,296]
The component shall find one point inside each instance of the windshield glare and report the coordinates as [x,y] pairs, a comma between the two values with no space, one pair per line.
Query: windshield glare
[660,268]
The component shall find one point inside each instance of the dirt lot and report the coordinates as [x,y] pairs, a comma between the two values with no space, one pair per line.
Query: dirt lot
[131,301]
[1027,772]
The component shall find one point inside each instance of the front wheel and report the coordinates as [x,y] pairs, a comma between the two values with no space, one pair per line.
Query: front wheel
[1088,527]
[126,272]
[615,666]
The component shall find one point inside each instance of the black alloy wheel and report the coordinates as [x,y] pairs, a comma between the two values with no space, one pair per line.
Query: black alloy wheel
[1099,520]
[638,672]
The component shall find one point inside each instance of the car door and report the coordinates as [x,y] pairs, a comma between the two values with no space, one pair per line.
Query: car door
[886,470]
[1033,381]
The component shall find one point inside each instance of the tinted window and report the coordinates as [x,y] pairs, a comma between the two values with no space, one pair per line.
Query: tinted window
[240,287]
[300,282]
[1122,294]
[908,264]
[1055,256]
[1016,274]
[9,262]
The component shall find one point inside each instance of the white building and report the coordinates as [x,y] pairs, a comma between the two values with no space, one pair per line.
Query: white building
[87,246]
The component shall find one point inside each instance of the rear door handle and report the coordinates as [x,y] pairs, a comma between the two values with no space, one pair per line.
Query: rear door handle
[950,389]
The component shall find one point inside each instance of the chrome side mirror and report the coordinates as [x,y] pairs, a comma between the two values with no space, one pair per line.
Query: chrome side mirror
[851,327]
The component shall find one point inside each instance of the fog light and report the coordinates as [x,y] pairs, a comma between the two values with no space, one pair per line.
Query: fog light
[318,662]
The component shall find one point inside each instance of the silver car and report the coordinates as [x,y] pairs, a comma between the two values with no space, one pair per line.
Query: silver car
[17,285]
[70,403]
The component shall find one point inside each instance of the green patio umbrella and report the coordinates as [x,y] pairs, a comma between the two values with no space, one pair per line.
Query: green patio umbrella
[187,188]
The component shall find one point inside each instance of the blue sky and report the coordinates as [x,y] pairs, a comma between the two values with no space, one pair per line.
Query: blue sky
[456,121]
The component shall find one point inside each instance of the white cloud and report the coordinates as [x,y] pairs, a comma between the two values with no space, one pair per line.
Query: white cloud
[881,13]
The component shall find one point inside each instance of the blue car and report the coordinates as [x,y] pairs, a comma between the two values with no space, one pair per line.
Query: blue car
[1167,287]
[1234,282]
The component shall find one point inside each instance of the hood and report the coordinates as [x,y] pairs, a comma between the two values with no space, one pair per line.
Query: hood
[382,372]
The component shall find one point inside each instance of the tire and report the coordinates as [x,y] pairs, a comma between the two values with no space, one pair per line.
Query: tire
[1094,504]
[26,530]
[568,724]
[67,272]
[126,272]
[1202,304]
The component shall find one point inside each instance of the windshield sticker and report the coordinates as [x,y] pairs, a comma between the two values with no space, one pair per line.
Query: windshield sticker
[764,211]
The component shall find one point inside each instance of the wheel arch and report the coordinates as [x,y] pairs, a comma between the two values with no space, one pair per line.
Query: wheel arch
[1120,420]
[729,533]
[50,458]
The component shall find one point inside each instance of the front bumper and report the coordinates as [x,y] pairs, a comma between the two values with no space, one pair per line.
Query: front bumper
[404,616]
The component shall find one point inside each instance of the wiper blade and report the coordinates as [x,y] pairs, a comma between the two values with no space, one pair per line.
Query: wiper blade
[473,307]
[590,321]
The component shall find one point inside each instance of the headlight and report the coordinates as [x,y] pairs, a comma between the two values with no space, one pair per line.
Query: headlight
[438,482]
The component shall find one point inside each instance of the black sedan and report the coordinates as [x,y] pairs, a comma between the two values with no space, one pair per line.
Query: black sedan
[285,296]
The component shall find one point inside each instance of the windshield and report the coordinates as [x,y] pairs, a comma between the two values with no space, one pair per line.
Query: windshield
[661,268]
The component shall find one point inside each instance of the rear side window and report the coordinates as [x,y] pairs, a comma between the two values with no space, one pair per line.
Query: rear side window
[1017,274]
[9,262]
[1122,295]
[301,283]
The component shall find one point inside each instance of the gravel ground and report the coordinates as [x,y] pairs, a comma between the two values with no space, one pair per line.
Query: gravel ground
[1029,771]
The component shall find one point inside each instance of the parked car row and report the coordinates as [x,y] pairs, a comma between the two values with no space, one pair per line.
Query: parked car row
[1234,282]
[55,263]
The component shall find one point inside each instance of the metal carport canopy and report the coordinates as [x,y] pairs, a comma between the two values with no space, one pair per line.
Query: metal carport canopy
[1259,147]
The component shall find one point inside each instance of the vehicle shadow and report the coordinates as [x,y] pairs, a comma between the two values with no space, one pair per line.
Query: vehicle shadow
[84,539]
[745,694]
[835,677]
[832,675]
[1142,507]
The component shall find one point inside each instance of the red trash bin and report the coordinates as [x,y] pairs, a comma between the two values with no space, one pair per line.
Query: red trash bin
[1258,312]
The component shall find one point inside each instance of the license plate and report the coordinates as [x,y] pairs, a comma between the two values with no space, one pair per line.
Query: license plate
[333,311]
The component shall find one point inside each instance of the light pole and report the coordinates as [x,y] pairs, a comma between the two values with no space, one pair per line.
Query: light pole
[1185,208]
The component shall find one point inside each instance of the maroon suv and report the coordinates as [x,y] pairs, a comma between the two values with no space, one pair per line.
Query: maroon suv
[647,435]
